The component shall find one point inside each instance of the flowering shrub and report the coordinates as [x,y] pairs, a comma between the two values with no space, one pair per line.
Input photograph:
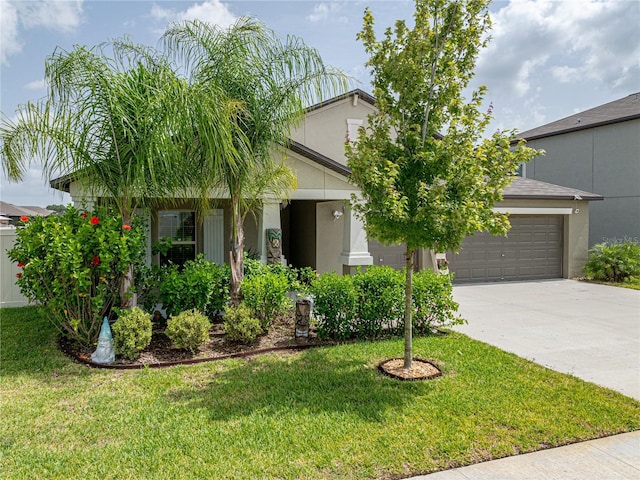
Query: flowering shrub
[73,264]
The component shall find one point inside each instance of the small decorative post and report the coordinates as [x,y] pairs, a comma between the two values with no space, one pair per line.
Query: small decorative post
[304,307]
[105,353]
[274,245]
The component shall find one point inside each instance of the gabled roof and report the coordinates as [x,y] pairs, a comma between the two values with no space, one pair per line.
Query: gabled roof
[624,109]
[527,188]
[360,93]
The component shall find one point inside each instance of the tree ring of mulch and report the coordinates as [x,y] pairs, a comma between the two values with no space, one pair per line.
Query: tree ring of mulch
[420,369]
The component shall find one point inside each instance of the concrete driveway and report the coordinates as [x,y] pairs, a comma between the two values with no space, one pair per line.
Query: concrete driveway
[590,331]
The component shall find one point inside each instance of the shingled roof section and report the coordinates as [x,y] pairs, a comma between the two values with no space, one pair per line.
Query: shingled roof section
[318,158]
[527,188]
[622,110]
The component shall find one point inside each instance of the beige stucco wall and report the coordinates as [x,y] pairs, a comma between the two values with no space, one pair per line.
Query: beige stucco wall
[316,182]
[325,129]
[576,230]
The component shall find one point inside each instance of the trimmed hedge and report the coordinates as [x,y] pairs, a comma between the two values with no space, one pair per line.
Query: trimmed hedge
[370,304]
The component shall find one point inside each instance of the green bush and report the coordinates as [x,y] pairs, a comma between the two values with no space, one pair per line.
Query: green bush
[370,304]
[433,302]
[200,285]
[266,295]
[73,264]
[335,305]
[188,330]
[241,325]
[613,262]
[381,301]
[131,333]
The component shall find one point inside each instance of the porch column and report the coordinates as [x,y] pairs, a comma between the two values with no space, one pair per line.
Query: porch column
[269,218]
[355,249]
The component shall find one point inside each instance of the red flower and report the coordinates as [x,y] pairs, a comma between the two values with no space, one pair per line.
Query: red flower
[18,274]
[94,220]
[83,214]
[20,264]
[126,227]
[24,218]
[96,261]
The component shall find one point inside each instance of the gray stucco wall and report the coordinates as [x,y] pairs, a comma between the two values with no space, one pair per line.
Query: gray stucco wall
[603,160]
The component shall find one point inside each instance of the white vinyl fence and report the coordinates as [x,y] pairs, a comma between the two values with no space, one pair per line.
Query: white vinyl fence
[10,295]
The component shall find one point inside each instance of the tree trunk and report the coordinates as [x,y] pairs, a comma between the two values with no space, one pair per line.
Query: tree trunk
[408,309]
[236,255]
[128,298]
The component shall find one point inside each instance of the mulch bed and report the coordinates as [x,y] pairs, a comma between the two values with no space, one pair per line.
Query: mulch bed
[160,353]
[420,369]
[281,337]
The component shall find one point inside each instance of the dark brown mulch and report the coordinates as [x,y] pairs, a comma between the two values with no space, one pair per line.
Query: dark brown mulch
[160,352]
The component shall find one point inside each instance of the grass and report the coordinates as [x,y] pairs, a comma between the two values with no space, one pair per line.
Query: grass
[322,413]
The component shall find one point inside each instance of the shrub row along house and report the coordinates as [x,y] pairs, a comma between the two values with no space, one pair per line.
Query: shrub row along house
[316,227]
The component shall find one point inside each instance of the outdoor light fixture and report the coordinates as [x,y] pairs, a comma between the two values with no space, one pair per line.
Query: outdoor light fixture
[337,214]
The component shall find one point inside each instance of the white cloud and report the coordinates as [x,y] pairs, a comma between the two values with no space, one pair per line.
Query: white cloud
[36,85]
[570,41]
[327,11]
[211,11]
[17,16]
[10,43]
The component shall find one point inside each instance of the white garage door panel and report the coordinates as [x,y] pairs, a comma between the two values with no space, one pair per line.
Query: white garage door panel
[532,250]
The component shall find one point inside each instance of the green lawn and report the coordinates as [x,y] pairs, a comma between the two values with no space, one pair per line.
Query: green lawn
[322,413]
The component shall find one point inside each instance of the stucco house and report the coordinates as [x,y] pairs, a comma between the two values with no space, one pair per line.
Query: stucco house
[320,230]
[597,150]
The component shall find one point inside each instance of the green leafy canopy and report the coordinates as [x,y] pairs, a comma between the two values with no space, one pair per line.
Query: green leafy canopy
[427,176]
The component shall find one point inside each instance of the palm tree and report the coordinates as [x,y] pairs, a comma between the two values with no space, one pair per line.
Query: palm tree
[120,126]
[271,82]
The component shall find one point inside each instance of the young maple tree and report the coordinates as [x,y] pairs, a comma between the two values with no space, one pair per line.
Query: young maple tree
[427,176]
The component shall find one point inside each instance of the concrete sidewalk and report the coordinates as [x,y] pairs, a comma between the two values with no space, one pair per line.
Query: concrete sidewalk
[590,331]
[611,458]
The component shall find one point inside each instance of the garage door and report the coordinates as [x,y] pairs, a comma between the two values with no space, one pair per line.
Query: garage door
[389,255]
[532,250]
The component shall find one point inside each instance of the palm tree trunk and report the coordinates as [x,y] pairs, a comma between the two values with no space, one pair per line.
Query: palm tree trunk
[128,298]
[236,255]
[408,309]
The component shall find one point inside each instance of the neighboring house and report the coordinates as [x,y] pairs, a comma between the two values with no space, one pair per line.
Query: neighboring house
[14,212]
[597,150]
[320,230]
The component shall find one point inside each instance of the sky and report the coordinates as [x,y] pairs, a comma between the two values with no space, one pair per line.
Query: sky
[546,60]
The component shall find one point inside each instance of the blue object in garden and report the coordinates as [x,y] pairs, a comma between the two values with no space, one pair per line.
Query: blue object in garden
[105,353]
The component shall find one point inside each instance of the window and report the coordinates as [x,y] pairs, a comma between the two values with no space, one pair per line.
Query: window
[180,228]
[353,124]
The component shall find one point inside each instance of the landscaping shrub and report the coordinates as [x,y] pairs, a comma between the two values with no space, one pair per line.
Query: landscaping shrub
[266,295]
[371,304]
[613,262]
[200,285]
[433,302]
[73,265]
[188,330]
[335,305]
[381,301]
[241,325]
[131,333]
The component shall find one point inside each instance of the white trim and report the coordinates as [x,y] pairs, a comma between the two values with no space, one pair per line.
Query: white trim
[534,210]
[321,194]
